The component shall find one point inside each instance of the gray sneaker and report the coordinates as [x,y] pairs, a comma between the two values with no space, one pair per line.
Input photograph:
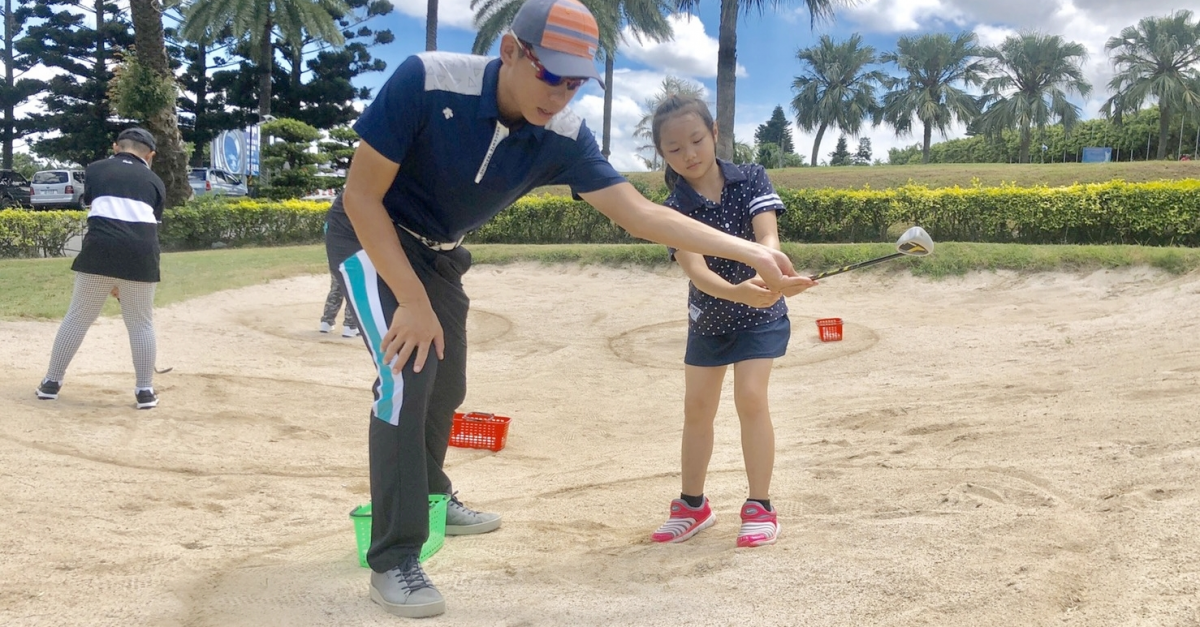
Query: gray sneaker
[407,591]
[464,521]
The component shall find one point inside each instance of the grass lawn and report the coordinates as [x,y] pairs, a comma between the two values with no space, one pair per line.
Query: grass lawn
[41,288]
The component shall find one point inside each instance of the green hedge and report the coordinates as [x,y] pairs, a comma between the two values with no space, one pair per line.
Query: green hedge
[1158,214]
[1164,213]
[208,221]
[550,219]
[25,233]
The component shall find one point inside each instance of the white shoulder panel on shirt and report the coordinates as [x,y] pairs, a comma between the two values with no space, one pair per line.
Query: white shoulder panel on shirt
[565,123]
[453,72]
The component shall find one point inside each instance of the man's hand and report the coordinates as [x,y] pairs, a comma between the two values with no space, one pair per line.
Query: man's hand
[414,327]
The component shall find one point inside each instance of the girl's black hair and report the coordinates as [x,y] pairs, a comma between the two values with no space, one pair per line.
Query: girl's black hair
[672,106]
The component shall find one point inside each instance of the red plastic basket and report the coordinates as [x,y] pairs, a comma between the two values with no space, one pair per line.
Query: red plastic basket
[830,329]
[479,430]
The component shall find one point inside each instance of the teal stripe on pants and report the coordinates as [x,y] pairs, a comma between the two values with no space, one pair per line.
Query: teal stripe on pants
[361,284]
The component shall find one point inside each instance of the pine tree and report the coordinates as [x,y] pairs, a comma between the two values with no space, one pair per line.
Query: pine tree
[775,131]
[327,100]
[862,156]
[841,153]
[15,90]
[204,108]
[76,103]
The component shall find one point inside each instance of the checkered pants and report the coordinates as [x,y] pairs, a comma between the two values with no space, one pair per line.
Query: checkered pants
[137,308]
[333,302]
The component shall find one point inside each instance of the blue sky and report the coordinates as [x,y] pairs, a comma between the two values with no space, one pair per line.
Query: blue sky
[767,46]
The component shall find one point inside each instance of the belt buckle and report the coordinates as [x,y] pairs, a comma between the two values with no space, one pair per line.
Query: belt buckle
[432,244]
[441,246]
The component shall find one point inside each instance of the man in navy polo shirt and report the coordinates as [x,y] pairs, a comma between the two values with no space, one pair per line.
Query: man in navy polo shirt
[449,142]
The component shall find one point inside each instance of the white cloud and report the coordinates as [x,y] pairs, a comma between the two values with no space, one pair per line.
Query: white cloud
[631,88]
[1088,22]
[690,53]
[625,115]
[452,13]
[989,35]
[886,16]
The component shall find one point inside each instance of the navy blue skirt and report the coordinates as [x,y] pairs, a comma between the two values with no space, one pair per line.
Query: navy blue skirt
[766,341]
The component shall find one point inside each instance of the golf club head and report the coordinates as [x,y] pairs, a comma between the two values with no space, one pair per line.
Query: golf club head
[915,242]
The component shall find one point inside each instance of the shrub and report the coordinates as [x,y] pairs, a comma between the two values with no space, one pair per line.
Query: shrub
[1156,214]
[26,233]
[209,220]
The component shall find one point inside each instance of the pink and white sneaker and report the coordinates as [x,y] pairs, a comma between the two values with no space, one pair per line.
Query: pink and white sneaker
[759,527]
[685,522]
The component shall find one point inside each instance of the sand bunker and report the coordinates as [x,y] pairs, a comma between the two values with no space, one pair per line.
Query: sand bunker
[990,450]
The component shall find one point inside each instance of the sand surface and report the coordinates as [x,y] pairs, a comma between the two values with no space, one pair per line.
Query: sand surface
[988,450]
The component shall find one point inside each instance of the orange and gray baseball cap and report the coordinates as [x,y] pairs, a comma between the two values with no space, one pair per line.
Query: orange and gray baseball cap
[563,34]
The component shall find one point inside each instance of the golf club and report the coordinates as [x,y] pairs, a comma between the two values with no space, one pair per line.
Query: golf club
[914,243]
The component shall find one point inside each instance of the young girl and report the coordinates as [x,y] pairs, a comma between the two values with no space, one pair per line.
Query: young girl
[733,318]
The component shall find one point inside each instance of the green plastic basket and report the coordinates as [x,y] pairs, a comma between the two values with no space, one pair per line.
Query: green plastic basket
[361,516]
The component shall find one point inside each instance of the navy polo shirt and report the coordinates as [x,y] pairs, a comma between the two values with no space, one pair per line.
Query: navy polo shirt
[460,165]
[747,193]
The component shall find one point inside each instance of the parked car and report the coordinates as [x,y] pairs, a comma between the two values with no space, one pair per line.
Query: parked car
[214,181]
[14,189]
[57,188]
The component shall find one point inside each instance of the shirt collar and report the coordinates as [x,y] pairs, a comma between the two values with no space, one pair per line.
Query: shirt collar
[690,199]
[130,154]
[489,102]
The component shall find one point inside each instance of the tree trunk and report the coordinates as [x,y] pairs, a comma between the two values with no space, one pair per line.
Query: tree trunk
[296,57]
[817,145]
[726,77]
[170,162]
[1164,127]
[265,65]
[1023,155]
[9,122]
[100,108]
[608,78]
[928,139]
[431,19]
[201,133]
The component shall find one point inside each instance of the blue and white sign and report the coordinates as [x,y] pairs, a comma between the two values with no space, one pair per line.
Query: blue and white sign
[229,152]
[1097,155]
[253,145]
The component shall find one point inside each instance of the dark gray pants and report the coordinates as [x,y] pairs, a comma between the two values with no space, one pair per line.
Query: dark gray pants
[412,413]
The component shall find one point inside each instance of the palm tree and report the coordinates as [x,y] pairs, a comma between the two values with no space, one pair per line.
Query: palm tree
[256,20]
[836,89]
[1032,76]
[1156,59]
[171,161]
[671,86]
[643,18]
[431,18]
[931,66]
[727,53]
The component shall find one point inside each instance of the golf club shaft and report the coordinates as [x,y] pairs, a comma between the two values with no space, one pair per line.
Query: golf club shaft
[855,266]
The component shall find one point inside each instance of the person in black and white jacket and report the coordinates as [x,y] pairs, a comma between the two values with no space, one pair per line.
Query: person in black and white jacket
[119,256]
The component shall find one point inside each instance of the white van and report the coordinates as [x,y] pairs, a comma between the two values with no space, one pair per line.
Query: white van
[51,189]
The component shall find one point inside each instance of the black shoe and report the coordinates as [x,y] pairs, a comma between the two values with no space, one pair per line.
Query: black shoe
[146,399]
[48,390]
